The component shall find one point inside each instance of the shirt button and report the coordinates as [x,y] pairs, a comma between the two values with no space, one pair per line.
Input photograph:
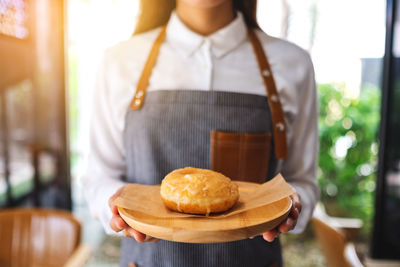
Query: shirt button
[280,126]
[266,73]
[137,102]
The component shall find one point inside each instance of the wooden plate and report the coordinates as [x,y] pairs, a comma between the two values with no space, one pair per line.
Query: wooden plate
[211,230]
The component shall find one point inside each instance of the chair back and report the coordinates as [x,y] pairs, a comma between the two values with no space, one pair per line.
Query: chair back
[332,242]
[37,237]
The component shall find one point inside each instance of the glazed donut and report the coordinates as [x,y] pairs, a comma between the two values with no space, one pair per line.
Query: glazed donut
[198,191]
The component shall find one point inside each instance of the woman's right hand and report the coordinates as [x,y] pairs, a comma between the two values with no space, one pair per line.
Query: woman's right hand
[118,224]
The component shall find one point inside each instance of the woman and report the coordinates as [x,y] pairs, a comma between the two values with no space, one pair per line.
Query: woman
[167,98]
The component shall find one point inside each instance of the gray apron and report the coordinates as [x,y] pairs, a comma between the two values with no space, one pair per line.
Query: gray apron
[171,129]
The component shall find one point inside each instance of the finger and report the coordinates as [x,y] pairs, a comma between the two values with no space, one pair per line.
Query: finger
[296,202]
[125,232]
[294,213]
[288,225]
[117,223]
[113,208]
[270,235]
[140,237]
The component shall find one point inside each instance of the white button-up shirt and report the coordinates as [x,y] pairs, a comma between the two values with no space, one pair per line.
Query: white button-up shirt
[222,61]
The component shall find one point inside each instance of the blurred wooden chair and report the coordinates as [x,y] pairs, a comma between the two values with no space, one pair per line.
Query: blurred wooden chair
[40,237]
[334,235]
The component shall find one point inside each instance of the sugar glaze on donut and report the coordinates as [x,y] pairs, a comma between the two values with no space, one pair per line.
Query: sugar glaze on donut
[198,191]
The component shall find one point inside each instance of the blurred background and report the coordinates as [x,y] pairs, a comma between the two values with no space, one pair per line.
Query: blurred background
[49,53]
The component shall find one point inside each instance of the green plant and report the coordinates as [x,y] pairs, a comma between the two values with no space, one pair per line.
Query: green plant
[348,151]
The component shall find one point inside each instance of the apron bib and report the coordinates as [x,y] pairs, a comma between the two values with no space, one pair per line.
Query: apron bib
[240,135]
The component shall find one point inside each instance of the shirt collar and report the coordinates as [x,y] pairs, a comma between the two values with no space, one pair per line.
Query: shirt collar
[221,42]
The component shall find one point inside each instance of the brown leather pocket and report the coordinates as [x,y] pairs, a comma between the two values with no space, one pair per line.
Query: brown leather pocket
[241,156]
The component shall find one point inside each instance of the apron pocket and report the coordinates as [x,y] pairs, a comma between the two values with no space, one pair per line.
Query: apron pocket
[241,156]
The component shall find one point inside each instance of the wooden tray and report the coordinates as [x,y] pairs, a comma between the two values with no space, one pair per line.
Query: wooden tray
[211,230]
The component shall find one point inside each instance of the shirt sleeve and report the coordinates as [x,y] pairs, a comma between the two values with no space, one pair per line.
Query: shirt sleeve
[106,159]
[300,167]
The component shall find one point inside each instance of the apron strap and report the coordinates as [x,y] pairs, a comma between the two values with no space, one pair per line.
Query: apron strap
[278,119]
[140,93]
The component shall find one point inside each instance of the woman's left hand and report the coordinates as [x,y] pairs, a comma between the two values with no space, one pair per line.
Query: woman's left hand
[287,224]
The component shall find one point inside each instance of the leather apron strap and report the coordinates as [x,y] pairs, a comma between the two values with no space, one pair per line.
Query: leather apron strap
[141,88]
[278,119]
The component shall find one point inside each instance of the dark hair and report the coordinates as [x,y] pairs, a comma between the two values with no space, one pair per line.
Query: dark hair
[154,13]
[249,10]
